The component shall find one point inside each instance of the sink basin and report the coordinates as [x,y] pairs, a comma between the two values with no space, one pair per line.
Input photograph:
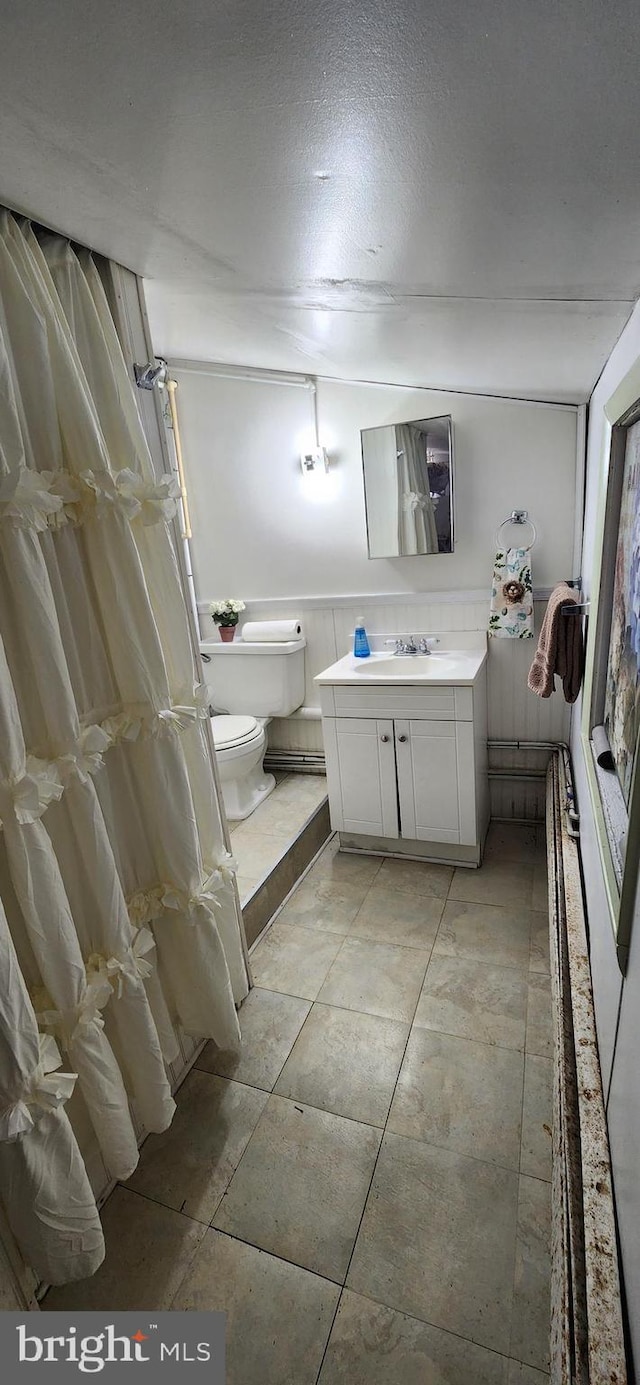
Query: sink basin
[408,666]
[448,666]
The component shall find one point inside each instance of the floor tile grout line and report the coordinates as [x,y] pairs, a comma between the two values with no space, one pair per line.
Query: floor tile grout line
[344,1010]
[373,944]
[384,1129]
[515,1259]
[295,1101]
[462,1154]
[425,1322]
[231,1236]
[525,971]
[515,1245]
[342,1287]
[368,892]
[235,1236]
[375,1014]
[365,1014]
[271,1094]
[284,1064]
[320,932]
[535,1178]
[276,916]
[254,1085]
[466,1038]
[330,1332]
[524,1078]
[467,874]
[189,1267]
[174,1211]
[411,1027]
[362,937]
[373,1174]
[345,937]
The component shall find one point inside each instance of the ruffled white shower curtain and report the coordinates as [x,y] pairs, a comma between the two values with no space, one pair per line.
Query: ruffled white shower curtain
[416,516]
[119,915]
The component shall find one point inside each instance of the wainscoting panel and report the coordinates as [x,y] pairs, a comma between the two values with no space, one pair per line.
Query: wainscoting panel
[515,713]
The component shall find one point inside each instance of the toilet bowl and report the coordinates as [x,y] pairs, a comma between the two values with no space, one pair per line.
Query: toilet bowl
[240,743]
[249,684]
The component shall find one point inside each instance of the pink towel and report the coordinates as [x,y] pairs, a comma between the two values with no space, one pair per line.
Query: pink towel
[560,648]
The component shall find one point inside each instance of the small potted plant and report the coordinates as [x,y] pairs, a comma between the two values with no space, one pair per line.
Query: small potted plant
[225,614]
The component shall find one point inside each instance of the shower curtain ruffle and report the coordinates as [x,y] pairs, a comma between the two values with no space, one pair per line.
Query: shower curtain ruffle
[50,499]
[416,516]
[48,1198]
[117,885]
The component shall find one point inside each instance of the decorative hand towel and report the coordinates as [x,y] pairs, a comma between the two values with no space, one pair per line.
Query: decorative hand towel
[511,610]
[560,648]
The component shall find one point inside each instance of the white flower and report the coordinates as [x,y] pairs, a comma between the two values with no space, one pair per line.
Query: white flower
[227,607]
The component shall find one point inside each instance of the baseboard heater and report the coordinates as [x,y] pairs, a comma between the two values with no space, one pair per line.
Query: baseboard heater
[587,1338]
[300,761]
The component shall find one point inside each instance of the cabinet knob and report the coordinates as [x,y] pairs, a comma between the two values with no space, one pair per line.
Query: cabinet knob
[384,738]
[402,738]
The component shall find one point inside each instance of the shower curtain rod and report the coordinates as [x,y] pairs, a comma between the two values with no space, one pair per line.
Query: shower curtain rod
[259,374]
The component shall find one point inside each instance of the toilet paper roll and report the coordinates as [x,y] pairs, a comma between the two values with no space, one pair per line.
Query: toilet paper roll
[600,741]
[271,631]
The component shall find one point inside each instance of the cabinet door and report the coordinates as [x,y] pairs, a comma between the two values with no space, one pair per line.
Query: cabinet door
[428,780]
[361,774]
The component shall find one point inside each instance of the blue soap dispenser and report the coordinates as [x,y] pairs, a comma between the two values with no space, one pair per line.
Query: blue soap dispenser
[360,642]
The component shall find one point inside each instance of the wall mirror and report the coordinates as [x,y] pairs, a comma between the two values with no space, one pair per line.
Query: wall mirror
[408,487]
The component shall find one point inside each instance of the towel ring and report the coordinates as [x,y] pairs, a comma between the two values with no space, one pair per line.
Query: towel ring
[517,517]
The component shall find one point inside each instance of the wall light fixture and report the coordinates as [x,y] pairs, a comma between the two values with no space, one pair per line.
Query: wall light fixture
[315,460]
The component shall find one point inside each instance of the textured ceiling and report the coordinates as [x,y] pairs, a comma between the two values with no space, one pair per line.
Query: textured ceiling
[442,193]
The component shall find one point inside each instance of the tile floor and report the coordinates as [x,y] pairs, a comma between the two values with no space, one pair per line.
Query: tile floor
[365,1191]
[261,839]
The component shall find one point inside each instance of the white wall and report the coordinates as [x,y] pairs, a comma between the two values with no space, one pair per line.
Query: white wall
[291,546]
[617,1000]
[262,529]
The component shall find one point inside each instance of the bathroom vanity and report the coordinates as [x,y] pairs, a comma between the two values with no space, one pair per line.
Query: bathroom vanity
[405,741]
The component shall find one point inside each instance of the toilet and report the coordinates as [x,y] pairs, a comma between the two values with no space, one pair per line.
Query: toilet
[248,684]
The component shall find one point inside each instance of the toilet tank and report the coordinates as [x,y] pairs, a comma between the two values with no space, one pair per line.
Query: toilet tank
[260,680]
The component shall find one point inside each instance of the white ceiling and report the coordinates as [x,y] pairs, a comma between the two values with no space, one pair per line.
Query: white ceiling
[424,191]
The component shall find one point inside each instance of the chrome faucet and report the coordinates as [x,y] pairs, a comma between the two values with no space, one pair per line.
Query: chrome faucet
[407,648]
[403,648]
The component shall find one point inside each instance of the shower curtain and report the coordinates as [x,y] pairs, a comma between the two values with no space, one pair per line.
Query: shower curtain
[119,917]
[416,515]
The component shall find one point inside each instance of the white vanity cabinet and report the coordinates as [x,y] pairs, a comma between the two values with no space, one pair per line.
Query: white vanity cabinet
[361,775]
[407,764]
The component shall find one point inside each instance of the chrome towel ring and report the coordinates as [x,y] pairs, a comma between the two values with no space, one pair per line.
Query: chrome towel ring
[517,517]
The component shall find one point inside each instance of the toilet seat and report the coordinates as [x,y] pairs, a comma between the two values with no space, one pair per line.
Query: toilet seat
[230,731]
[240,744]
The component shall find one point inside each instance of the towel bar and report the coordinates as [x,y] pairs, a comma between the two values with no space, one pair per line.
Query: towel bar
[517,517]
[579,608]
